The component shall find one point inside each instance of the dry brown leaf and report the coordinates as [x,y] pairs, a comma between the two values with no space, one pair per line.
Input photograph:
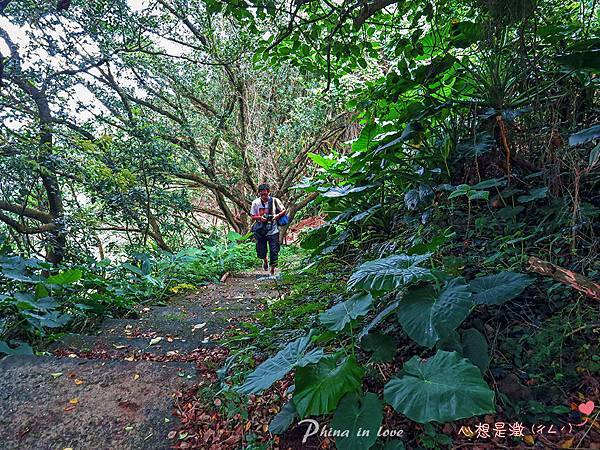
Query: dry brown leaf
[78,381]
[568,443]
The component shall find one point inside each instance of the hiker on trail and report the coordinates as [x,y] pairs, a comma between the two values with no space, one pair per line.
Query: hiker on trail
[267,211]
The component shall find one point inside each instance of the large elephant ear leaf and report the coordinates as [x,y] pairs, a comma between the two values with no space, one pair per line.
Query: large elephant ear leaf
[389,273]
[340,315]
[499,288]
[320,387]
[294,354]
[427,316]
[284,418]
[356,413]
[475,348]
[442,388]
[383,347]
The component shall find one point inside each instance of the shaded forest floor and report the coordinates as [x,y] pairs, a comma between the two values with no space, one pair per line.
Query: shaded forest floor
[135,382]
[163,378]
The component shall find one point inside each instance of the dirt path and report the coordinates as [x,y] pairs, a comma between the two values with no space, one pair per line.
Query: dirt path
[118,388]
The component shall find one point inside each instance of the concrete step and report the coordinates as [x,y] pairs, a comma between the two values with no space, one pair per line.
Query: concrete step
[56,403]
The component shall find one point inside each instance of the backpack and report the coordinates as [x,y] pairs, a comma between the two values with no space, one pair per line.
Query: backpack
[283,220]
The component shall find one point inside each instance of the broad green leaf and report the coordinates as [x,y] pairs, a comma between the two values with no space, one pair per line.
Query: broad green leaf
[481,144]
[21,349]
[534,194]
[67,277]
[322,161]
[233,236]
[340,315]
[366,138]
[389,309]
[41,291]
[581,60]
[320,387]
[461,189]
[442,388]
[499,288]
[416,197]
[583,136]
[508,212]
[133,269]
[475,348]
[487,184]
[427,316]
[293,355]
[393,444]
[383,347]
[463,34]
[51,319]
[342,191]
[478,195]
[389,273]
[284,418]
[358,414]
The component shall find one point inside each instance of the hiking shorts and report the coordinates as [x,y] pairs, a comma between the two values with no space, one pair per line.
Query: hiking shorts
[272,241]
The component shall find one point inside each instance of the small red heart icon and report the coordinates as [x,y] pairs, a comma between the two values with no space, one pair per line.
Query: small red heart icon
[586,408]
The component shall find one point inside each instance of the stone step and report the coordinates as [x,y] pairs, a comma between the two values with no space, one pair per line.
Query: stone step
[57,403]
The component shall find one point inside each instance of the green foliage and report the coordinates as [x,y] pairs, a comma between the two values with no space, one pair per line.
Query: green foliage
[428,316]
[383,347]
[35,306]
[388,273]
[340,315]
[444,387]
[295,354]
[498,288]
[320,387]
[284,418]
[358,413]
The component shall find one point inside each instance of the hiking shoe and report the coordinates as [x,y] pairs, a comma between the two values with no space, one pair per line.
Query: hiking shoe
[265,265]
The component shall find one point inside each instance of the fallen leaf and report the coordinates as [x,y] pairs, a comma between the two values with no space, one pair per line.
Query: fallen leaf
[56,374]
[78,382]
[128,428]
[172,434]
[529,439]
[129,358]
[136,376]
[169,339]
[74,401]
[120,347]
[70,408]
[568,443]
[198,326]
[155,340]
